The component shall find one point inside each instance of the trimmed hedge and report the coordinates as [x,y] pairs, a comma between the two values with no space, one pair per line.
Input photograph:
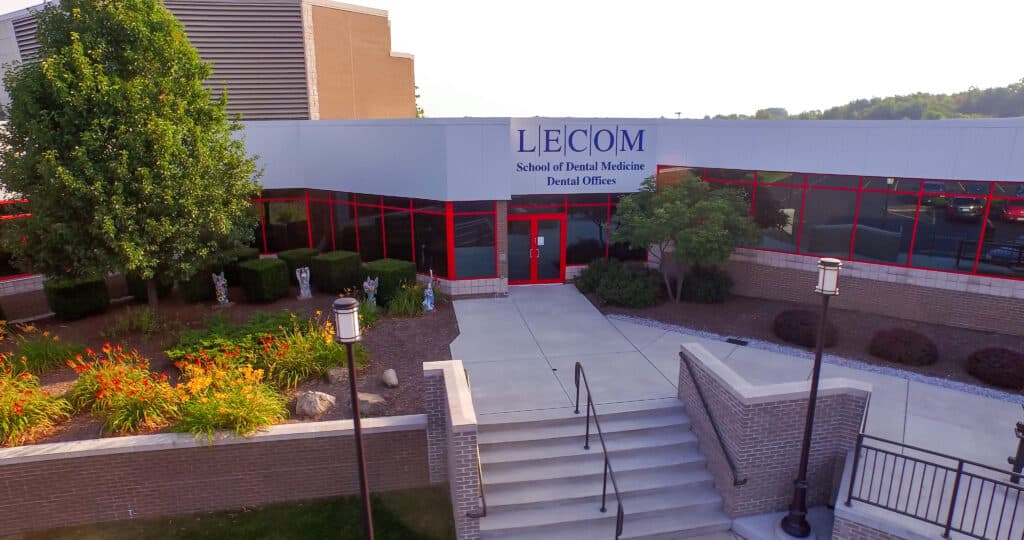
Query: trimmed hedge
[335,271]
[629,285]
[264,280]
[199,288]
[392,273]
[297,258]
[137,287]
[706,285]
[72,299]
[800,326]
[588,280]
[904,346]
[997,366]
[234,257]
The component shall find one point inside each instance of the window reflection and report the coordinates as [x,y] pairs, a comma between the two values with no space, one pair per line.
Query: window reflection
[474,246]
[828,222]
[586,230]
[777,213]
[885,227]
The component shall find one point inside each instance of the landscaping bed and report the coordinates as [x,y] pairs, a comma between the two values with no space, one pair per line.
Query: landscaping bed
[753,318]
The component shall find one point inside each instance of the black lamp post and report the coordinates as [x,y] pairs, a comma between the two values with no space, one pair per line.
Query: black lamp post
[346,332]
[795,523]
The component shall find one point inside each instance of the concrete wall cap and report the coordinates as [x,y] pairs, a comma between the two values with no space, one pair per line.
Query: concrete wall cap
[461,412]
[750,394]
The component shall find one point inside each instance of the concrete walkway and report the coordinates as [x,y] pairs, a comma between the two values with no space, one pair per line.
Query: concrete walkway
[520,352]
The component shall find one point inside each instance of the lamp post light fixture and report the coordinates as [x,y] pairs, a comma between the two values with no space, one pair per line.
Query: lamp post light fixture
[346,332]
[795,522]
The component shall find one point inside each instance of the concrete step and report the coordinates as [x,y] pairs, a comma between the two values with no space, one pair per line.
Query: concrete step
[542,416]
[569,448]
[593,464]
[588,487]
[635,506]
[575,428]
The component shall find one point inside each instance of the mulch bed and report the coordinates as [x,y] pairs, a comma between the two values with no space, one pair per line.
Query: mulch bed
[401,344]
[752,318]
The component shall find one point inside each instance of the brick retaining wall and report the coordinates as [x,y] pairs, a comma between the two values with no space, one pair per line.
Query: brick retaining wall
[843,529]
[65,484]
[762,429]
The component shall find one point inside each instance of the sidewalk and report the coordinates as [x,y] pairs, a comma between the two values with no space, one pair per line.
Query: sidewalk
[520,352]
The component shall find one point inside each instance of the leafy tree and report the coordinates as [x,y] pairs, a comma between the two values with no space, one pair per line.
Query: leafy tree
[686,223]
[127,162]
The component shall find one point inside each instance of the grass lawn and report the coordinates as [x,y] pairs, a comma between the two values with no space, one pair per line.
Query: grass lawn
[419,514]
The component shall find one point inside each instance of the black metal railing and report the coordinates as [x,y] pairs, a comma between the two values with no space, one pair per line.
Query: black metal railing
[620,514]
[736,480]
[955,494]
[482,494]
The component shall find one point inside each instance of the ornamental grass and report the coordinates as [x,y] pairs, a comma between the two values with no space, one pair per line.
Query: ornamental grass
[26,411]
[118,387]
[38,352]
[227,397]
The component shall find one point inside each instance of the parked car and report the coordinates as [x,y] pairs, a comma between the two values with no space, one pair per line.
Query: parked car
[969,208]
[931,189]
[1013,211]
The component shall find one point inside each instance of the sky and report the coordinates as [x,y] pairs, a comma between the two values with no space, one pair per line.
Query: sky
[646,58]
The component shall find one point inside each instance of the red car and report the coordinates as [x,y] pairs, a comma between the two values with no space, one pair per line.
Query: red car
[1013,211]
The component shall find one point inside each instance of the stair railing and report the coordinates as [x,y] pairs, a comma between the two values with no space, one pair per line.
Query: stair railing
[736,480]
[620,515]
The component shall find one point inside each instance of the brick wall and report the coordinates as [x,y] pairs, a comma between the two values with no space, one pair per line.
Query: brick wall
[65,484]
[762,430]
[977,302]
[844,529]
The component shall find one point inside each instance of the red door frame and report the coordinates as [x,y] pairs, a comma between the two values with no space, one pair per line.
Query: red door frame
[533,219]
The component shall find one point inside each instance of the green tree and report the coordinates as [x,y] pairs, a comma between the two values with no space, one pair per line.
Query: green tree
[685,224]
[128,163]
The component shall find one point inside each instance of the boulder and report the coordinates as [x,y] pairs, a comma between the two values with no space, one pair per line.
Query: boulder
[389,378]
[336,375]
[313,405]
[371,404]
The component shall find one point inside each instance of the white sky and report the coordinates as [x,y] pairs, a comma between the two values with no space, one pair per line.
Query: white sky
[646,58]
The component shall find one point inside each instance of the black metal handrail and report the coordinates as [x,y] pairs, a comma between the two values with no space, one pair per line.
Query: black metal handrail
[986,503]
[736,480]
[482,511]
[620,515]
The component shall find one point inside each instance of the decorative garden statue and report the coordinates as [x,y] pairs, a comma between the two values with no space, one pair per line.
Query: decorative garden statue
[428,295]
[221,284]
[302,274]
[370,288]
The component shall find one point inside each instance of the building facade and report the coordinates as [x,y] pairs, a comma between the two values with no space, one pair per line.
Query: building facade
[278,59]
[928,215]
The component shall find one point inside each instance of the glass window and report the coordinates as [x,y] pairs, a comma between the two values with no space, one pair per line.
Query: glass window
[585,237]
[345,227]
[828,222]
[320,194]
[670,176]
[284,194]
[474,247]
[398,234]
[730,174]
[1009,189]
[767,177]
[473,206]
[396,202]
[428,205]
[777,213]
[371,241]
[957,187]
[891,184]
[431,244]
[1002,252]
[320,216]
[286,225]
[947,236]
[833,180]
[622,251]
[885,227]
[537,200]
[367,199]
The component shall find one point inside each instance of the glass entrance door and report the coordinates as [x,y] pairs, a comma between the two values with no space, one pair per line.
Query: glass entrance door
[536,251]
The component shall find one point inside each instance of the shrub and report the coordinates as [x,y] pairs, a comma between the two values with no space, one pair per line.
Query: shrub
[297,258]
[629,286]
[999,367]
[73,299]
[133,320]
[706,285]
[335,271]
[392,274]
[219,333]
[26,410]
[200,288]
[137,287]
[904,347]
[235,398]
[119,388]
[588,280]
[38,352]
[407,301]
[264,280]
[800,326]
[234,257]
